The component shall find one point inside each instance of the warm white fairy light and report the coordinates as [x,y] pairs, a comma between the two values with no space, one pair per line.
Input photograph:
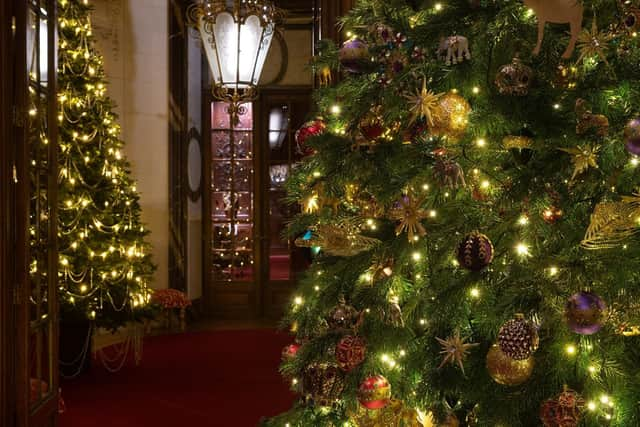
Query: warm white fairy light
[475,293]
[522,249]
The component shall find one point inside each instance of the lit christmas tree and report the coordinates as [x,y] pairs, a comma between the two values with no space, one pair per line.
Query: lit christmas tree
[471,195]
[105,263]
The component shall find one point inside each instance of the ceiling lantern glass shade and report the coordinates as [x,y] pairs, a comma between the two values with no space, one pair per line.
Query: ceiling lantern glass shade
[236,35]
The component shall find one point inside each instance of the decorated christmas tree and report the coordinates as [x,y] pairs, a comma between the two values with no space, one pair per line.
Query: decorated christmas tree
[469,188]
[105,264]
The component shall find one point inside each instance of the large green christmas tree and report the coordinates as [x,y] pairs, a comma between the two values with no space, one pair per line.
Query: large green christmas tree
[472,199]
[105,263]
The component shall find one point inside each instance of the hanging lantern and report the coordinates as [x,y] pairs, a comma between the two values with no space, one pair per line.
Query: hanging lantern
[236,36]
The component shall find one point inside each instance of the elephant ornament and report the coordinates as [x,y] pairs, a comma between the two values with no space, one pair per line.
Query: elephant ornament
[454,49]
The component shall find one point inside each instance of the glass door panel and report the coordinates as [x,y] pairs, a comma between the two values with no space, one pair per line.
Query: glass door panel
[43,267]
[284,118]
[232,195]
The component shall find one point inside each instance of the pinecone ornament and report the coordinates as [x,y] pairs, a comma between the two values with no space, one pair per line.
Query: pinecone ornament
[518,338]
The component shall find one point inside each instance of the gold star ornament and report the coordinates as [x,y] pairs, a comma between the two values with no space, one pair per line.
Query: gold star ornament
[423,103]
[454,350]
[593,43]
[583,157]
[409,214]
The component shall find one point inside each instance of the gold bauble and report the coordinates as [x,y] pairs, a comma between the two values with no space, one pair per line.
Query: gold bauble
[507,371]
[451,116]
[395,414]
[450,420]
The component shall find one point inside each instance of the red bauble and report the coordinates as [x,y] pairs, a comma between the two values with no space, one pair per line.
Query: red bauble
[290,351]
[374,392]
[311,128]
[552,214]
[475,252]
[563,411]
[371,130]
[350,352]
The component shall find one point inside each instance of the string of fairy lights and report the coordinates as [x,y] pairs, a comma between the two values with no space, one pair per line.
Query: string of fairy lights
[102,245]
[580,352]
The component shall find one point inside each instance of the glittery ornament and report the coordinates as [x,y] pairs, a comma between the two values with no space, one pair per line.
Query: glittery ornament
[552,214]
[514,78]
[395,414]
[612,223]
[585,313]
[631,19]
[624,315]
[450,117]
[566,77]
[290,351]
[507,371]
[309,129]
[371,128]
[475,252]
[632,136]
[343,317]
[589,122]
[583,157]
[374,392]
[519,146]
[322,383]
[354,56]
[518,338]
[350,352]
[337,240]
[565,410]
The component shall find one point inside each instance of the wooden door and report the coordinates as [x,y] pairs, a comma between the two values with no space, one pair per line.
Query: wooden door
[7,329]
[34,209]
[230,203]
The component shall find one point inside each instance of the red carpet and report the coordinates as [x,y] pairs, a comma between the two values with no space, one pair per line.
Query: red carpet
[215,378]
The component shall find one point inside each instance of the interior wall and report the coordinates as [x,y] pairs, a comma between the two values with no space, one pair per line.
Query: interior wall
[194,208]
[132,36]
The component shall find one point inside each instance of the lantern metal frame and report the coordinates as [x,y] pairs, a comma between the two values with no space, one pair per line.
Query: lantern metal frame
[202,17]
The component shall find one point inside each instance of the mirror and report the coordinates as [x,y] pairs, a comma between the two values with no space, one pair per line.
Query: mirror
[194,164]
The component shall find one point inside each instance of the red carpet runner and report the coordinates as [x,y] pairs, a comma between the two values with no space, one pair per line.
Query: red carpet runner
[215,378]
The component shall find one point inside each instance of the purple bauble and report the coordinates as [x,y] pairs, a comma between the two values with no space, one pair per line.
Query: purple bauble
[632,136]
[354,56]
[475,252]
[633,146]
[585,312]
